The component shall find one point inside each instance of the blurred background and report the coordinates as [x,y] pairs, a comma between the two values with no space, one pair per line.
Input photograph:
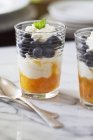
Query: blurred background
[75,14]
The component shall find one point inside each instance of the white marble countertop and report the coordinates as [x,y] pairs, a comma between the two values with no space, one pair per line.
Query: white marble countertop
[20,123]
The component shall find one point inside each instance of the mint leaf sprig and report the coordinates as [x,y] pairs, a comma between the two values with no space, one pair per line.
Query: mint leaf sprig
[40,24]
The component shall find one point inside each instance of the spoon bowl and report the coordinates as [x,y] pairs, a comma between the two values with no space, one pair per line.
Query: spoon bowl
[9,89]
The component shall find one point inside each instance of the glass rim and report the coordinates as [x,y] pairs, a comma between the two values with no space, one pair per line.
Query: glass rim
[81,31]
[50,21]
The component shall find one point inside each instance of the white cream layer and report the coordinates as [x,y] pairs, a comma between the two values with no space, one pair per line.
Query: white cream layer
[85,71]
[40,34]
[42,68]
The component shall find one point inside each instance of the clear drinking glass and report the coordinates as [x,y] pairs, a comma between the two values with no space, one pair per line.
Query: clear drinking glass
[40,62]
[85,65]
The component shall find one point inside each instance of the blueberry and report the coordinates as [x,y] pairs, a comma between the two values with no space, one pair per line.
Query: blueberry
[87,58]
[20,45]
[37,52]
[54,41]
[89,63]
[82,51]
[23,55]
[84,37]
[81,57]
[85,47]
[36,44]
[83,42]
[25,41]
[20,35]
[30,51]
[26,35]
[48,53]
[82,48]
[23,52]
[89,53]
[24,49]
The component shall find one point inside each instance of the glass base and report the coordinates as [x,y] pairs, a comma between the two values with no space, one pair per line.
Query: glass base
[41,96]
[86,104]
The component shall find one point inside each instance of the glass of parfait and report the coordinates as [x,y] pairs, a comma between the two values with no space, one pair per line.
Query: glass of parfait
[84,45]
[40,45]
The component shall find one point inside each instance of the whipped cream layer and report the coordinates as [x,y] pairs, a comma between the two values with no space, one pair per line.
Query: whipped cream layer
[89,42]
[41,34]
[38,68]
[85,71]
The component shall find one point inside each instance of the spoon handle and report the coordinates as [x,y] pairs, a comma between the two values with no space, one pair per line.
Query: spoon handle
[52,114]
[45,116]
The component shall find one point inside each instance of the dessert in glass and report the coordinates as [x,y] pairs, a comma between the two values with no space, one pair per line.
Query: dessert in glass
[40,45]
[84,43]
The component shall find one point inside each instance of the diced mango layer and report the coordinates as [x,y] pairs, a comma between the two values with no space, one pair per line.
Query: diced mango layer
[41,85]
[86,89]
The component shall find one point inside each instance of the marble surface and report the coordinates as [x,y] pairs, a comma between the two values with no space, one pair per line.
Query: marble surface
[17,122]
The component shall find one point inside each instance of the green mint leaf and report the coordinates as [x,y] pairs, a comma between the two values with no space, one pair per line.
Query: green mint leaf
[40,24]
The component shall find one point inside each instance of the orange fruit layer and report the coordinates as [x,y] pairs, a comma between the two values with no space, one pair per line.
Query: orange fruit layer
[86,89]
[40,85]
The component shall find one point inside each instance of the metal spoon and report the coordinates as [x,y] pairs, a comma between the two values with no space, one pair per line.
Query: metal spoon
[12,91]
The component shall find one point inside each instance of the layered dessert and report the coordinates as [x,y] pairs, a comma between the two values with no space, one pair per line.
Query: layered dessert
[39,58]
[85,57]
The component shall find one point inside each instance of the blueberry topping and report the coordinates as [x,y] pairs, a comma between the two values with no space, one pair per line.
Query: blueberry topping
[39,49]
[48,53]
[84,56]
[37,52]
[82,51]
